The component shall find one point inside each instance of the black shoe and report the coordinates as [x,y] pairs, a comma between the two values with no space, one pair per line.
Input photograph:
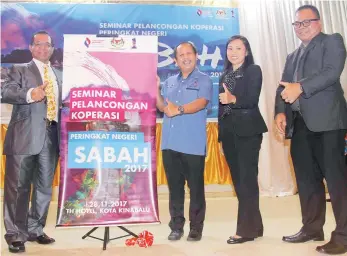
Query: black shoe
[241,240]
[16,247]
[332,248]
[302,237]
[43,239]
[194,235]
[175,235]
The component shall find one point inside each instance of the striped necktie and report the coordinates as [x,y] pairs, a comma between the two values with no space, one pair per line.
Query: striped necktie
[51,104]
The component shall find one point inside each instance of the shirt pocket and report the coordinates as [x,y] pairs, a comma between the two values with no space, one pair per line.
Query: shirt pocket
[191,94]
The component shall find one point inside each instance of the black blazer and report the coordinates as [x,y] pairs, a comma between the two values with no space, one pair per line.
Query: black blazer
[322,104]
[245,118]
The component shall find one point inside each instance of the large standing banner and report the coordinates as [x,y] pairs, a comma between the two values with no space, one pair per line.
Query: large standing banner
[107,148]
[207,27]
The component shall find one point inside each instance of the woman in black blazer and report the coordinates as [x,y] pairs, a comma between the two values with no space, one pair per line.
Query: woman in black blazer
[241,129]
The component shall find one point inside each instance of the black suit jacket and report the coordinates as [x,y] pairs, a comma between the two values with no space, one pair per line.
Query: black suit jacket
[245,118]
[322,104]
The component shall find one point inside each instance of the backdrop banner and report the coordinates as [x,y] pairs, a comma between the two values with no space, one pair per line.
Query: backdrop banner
[207,27]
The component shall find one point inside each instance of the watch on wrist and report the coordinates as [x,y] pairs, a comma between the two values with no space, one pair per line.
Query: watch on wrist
[181,110]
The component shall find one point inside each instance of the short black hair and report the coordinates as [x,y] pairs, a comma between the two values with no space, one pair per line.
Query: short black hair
[311,7]
[186,42]
[41,32]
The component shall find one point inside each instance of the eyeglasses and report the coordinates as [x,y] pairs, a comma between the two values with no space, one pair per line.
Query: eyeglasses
[304,23]
[46,45]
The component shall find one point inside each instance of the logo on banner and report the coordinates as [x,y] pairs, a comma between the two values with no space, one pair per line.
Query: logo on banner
[133,43]
[232,13]
[222,14]
[87,42]
[117,42]
[204,13]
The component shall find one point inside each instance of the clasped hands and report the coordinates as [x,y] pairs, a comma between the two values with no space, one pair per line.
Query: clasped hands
[226,97]
[38,94]
[290,92]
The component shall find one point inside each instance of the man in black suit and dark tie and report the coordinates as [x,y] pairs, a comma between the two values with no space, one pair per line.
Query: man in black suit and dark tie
[311,101]
[31,144]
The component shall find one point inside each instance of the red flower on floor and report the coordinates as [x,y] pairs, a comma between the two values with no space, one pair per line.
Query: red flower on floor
[144,239]
[131,241]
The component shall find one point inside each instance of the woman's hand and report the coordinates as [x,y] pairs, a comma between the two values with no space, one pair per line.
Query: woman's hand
[226,97]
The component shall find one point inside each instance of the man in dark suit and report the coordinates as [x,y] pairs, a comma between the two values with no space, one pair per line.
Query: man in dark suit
[31,144]
[312,98]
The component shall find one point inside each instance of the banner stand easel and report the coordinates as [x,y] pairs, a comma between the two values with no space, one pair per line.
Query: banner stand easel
[107,235]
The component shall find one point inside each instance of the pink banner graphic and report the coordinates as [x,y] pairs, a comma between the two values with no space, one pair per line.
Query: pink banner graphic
[107,146]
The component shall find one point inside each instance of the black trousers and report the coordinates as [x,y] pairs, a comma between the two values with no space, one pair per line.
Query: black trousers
[242,155]
[22,171]
[180,167]
[319,155]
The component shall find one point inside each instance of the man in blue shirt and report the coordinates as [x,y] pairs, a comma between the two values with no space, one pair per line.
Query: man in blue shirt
[183,99]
